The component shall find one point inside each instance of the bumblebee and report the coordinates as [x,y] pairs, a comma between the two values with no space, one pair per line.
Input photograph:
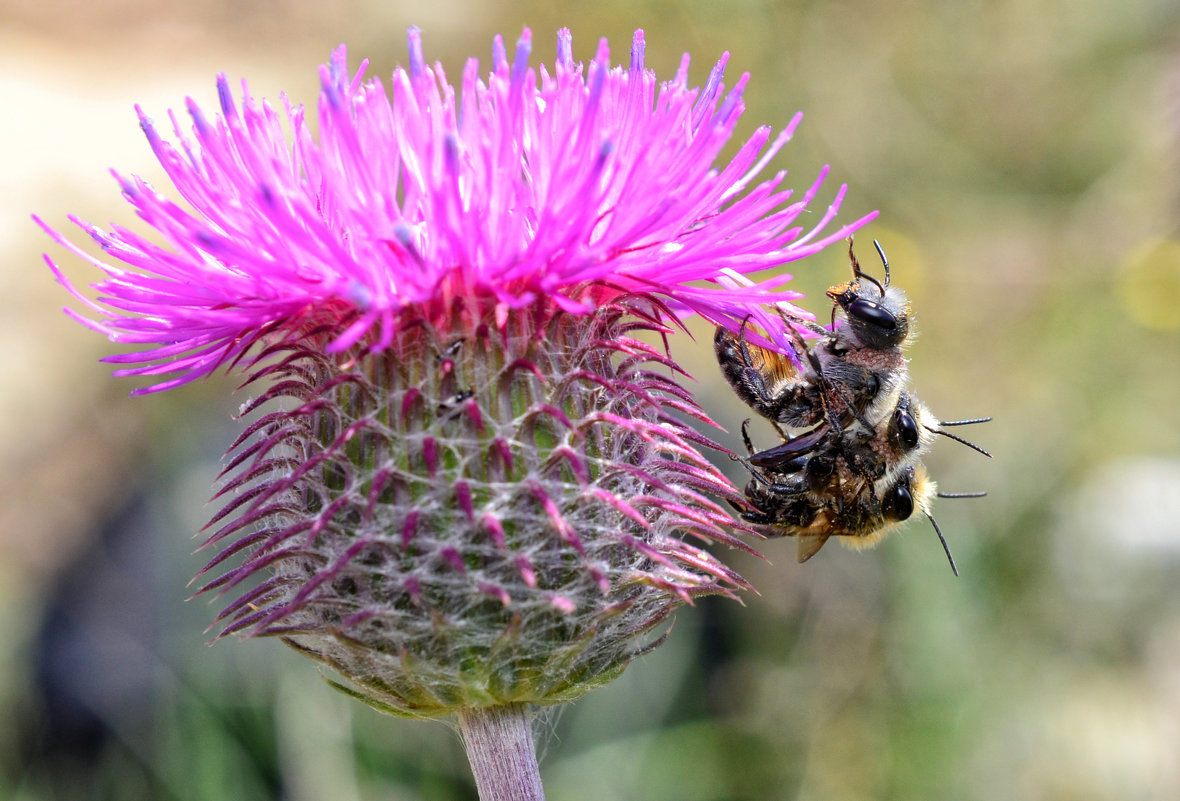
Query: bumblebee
[854,484]
[855,469]
[863,514]
[855,371]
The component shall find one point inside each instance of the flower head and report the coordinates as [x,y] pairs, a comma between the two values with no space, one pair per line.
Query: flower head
[527,186]
[468,482]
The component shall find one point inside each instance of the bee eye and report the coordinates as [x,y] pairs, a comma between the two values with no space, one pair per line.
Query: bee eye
[872,314]
[898,504]
[872,385]
[906,429]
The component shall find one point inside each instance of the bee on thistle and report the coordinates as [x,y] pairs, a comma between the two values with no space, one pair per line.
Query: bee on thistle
[856,473]
[854,484]
[855,371]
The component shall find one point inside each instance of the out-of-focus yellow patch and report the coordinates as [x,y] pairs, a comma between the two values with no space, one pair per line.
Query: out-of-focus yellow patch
[1149,284]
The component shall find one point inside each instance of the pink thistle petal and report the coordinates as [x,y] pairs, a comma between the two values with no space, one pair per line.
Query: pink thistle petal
[474,415]
[622,506]
[412,396]
[463,497]
[497,592]
[491,524]
[452,557]
[563,604]
[522,184]
[557,519]
[527,572]
[571,457]
[410,528]
[501,450]
[430,455]
[309,587]
[414,588]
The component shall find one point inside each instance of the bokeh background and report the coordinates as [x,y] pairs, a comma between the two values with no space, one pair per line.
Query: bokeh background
[1025,156]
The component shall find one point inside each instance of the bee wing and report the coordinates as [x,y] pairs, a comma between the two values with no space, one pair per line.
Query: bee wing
[776,368]
[776,458]
[809,545]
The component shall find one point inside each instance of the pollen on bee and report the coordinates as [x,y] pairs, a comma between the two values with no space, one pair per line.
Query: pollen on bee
[840,289]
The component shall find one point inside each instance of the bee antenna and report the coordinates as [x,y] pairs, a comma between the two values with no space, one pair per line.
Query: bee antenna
[856,271]
[957,438]
[970,422]
[885,261]
[981,494]
[942,539]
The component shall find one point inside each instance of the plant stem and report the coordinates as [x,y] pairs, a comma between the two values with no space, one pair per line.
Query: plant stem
[500,748]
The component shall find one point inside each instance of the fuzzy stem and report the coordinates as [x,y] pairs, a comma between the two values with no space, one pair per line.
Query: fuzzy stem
[500,748]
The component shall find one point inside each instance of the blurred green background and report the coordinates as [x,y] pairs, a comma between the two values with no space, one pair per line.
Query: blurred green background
[1025,157]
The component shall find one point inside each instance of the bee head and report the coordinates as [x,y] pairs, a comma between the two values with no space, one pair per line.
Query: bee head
[912,490]
[912,426]
[877,316]
[897,504]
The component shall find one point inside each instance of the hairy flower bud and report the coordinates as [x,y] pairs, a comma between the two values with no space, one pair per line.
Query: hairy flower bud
[486,512]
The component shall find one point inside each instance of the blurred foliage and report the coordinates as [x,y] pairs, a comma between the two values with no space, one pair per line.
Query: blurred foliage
[1026,160]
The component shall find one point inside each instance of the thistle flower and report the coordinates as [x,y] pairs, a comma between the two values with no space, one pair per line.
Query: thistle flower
[468,482]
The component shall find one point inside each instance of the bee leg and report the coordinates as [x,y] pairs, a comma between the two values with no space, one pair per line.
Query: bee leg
[835,388]
[757,518]
[828,388]
[850,404]
[737,365]
[794,323]
[739,508]
[790,491]
[799,403]
[746,437]
[743,346]
[757,476]
[779,429]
